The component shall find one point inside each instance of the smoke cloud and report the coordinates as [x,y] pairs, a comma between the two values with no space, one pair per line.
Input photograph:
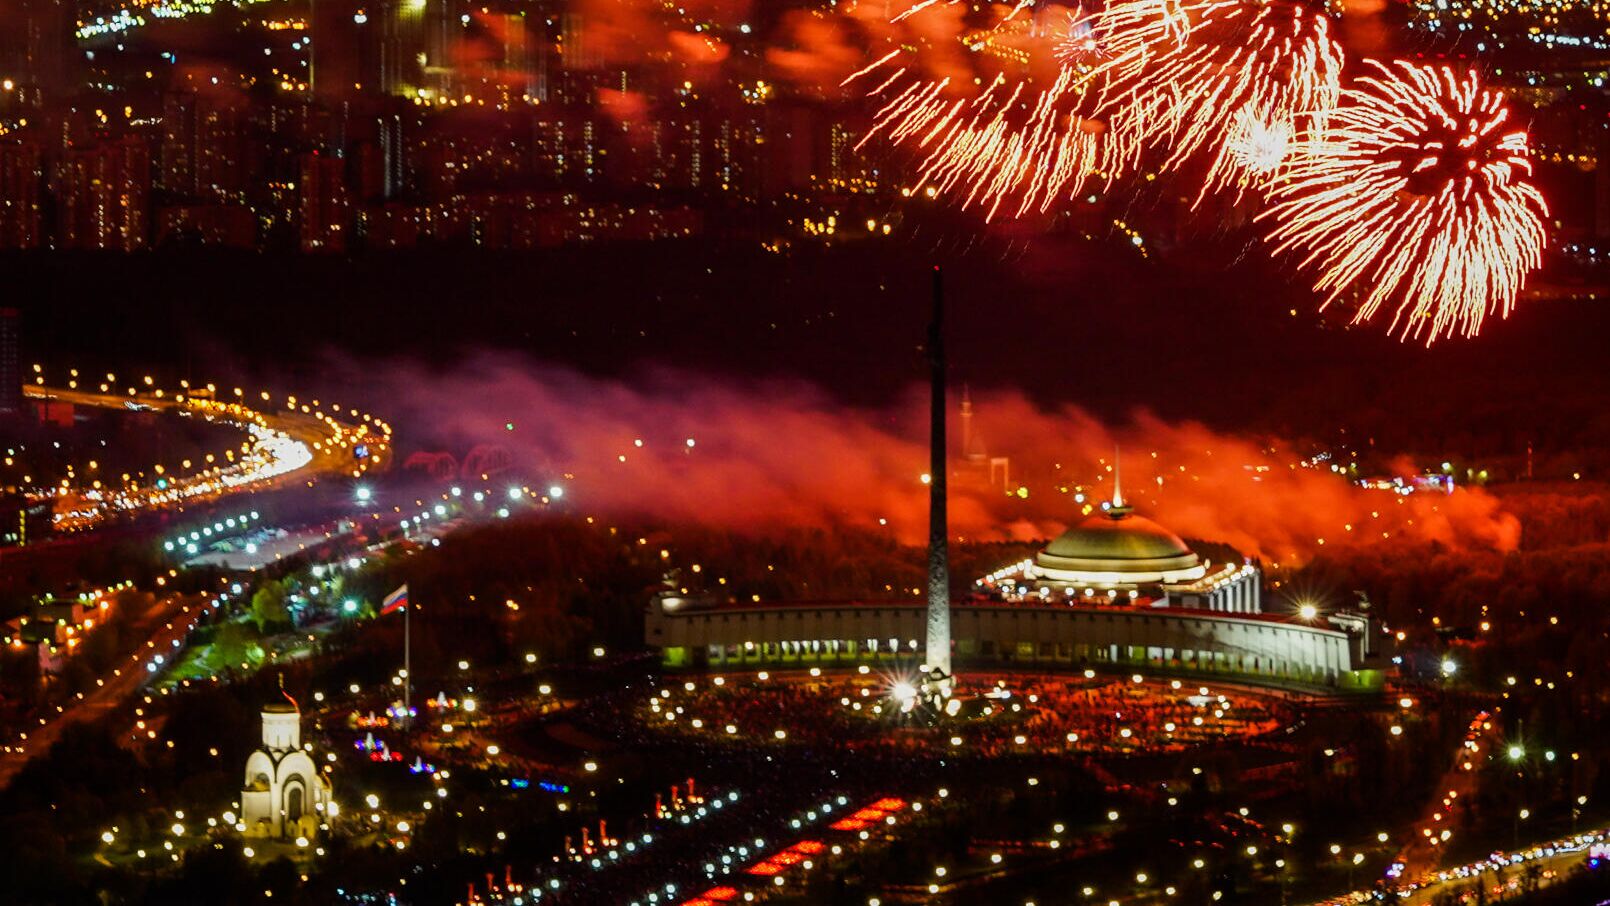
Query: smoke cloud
[631,31]
[682,446]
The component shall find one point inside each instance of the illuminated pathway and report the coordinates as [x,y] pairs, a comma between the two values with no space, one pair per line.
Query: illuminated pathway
[1421,856]
[171,619]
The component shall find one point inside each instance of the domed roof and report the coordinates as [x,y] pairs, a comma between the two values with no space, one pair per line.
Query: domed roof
[1117,545]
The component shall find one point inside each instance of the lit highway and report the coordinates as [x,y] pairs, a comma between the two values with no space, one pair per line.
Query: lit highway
[296,443]
[1502,874]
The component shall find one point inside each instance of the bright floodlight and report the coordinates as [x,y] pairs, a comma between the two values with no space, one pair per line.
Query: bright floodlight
[1308,611]
[903,692]
[1449,668]
[556,492]
[1515,753]
[514,493]
[363,493]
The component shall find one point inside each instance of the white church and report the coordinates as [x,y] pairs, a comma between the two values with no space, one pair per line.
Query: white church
[285,795]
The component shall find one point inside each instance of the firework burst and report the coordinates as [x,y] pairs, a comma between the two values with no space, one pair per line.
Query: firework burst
[1259,142]
[1417,194]
[1185,74]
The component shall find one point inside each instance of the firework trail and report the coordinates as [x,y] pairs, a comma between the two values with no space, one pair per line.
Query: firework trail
[1417,193]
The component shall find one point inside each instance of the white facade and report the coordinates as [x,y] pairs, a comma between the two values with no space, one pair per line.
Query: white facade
[1112,579]
[1230,589]
[1212,641]
[284,793]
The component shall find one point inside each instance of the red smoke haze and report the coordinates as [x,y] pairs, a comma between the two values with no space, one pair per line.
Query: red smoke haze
[783,453]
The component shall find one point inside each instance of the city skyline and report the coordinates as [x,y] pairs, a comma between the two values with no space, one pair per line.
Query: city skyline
[640,453]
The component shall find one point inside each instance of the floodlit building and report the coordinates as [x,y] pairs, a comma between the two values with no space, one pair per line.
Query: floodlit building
[1117,556]
[285,795]
[1115,590]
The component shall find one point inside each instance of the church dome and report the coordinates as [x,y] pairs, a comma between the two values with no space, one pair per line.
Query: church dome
[1118,547]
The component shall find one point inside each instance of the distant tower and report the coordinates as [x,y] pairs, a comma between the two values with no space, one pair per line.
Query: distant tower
[977,464]
[937,652]
[967,422]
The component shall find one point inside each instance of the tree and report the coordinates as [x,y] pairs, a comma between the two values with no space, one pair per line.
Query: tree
[233,645]
[268,607]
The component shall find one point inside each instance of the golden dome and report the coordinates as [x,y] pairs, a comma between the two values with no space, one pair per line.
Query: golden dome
[1118,546]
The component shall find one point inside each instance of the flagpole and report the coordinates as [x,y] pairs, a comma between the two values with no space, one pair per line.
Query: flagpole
[408,667]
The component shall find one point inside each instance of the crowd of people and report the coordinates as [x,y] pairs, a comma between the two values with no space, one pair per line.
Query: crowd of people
[1087,716]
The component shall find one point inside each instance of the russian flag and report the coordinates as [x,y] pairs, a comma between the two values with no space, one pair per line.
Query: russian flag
[397,600]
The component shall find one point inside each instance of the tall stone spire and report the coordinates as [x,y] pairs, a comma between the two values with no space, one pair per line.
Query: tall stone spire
[936,654]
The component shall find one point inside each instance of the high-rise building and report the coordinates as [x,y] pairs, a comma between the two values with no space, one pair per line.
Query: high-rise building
[22,176]
[10,361]
[336,56]
[393,157]
[442,29]
[402,46]
[520,57]
[202,154]
[322,204]
[581,65]
[794,148]
[176,157]
[103,196]
[221,151]
[36,43]
[50,42]
[683,162]
[575,51]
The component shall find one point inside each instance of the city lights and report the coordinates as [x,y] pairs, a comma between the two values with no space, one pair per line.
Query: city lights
[634,452]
